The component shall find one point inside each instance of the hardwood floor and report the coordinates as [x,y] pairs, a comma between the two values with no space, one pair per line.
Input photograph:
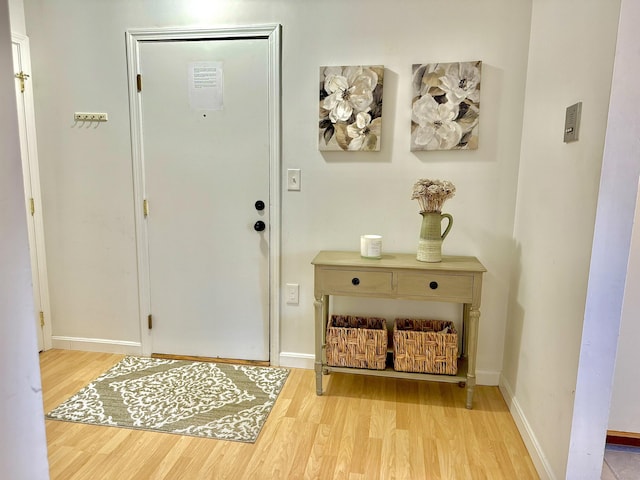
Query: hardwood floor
[361,428]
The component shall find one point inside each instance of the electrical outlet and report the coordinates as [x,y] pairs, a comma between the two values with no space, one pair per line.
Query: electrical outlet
[293,291]
[90,117]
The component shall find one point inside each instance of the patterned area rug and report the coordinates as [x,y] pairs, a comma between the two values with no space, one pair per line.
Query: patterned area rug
[213,400]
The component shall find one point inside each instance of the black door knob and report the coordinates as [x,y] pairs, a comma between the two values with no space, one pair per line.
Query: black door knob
[355,281]
[259,226]
[259,205]
[433,285]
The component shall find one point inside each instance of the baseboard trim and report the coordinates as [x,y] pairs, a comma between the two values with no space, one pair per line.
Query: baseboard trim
[97,345]
[487,377]
[297,360]
[630,439]
[526,432]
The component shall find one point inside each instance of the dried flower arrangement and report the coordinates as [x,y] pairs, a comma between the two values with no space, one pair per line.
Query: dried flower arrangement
[431,194]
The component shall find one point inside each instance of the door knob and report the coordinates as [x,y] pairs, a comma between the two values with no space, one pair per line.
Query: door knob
[259,226]
[259,205]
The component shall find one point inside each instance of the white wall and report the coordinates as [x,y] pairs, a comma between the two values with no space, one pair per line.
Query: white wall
[570,60]
[625,407]
[610,258]
[622,137]
[16,17]
[86,173]
[23,453]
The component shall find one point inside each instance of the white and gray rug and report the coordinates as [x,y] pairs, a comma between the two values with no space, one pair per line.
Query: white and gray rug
[213,400]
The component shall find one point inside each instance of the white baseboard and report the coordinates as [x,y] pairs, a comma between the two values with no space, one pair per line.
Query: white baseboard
[97,345]
[487,377]
[526,432]
[297,360]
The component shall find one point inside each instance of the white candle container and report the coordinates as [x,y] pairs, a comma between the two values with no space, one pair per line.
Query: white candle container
[371,246]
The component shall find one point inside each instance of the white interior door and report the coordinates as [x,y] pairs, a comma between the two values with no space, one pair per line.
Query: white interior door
[205,147]
[30,172]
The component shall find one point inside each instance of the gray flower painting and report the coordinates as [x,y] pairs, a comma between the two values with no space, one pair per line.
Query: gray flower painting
[446,106]
[350,108]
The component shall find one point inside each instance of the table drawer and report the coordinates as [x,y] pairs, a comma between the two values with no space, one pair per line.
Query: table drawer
[434,286]
[355,282]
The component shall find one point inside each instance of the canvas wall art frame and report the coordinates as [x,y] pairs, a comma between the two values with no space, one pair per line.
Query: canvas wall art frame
[445,108]
[350,117]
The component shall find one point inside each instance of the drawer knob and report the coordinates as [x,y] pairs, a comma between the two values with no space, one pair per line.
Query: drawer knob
[433,285]
[355,281]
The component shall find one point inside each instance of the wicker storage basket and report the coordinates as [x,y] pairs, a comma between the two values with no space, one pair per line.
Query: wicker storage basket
[425,346]
[359,342]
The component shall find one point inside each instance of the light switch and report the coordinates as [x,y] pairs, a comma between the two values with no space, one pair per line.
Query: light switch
[572,122]
[293,179]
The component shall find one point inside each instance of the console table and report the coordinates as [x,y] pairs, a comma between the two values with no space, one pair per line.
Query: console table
[400,276]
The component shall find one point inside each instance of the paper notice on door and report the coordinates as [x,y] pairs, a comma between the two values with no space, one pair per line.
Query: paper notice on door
[206,85]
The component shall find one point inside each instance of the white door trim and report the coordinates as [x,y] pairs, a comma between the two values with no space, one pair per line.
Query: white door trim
[271,33]
[31,174]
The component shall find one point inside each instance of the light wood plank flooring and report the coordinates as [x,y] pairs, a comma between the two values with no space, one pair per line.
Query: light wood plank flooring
[362,428]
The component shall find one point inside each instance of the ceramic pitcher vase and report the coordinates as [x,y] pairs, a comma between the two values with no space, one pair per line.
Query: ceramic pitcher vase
[431,236]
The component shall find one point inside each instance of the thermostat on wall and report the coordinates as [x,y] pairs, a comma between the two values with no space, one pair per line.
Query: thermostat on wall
[572,122]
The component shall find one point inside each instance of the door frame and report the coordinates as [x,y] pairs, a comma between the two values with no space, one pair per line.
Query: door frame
[271,33]
[32,189]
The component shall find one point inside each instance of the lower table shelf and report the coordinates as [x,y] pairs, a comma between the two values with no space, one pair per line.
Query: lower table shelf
[460,377]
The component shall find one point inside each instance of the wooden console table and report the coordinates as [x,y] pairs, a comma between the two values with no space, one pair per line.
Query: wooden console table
[400,276]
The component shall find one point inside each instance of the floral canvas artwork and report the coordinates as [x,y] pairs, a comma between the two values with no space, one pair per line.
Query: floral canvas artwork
[446,106]
[350,108]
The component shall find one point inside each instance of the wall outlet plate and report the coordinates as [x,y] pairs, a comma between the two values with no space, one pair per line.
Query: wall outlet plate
[293,292]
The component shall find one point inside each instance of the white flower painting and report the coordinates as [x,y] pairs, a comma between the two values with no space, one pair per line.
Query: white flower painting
[350,108]
[446,106]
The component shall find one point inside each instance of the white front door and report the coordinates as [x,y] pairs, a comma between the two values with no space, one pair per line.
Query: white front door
[30,172]
[206,164]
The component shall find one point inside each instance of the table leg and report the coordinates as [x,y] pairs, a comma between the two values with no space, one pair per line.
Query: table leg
[472,342]
[320,327]
[318,368]
[465,329]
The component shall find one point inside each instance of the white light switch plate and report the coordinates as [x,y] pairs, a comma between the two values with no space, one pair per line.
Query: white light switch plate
[293,179]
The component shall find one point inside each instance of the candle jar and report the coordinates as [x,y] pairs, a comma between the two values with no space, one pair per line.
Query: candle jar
[371,246]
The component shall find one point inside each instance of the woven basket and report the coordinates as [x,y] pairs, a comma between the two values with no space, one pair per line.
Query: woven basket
[421,346]
[358,342]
